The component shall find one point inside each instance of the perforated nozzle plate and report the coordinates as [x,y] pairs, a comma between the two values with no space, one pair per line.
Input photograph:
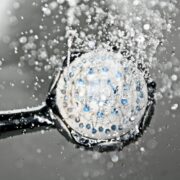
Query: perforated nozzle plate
[102,95]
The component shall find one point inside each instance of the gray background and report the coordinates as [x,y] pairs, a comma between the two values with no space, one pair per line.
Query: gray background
[47,155]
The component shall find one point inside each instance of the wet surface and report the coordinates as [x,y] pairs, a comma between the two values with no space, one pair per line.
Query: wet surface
[47,154]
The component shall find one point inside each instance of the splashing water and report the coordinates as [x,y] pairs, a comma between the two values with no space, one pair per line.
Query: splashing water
[137,29]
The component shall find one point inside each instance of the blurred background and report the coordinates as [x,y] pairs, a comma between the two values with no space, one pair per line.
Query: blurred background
[32,43]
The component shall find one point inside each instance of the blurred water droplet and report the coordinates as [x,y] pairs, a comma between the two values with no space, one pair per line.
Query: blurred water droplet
[39,151]
[114,158]
[174,77]
[109,165]
[142,149]
[151,144]
[174,107]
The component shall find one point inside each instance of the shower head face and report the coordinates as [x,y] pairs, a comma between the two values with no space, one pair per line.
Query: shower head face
[102,96]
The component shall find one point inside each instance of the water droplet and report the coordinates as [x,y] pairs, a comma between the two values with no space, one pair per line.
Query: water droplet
[90,71]
[105,69]
[118,74]
[100,115]
[146,27]
[174,77]
[114,158]
[86,108]
[23,39]
[124,102]
[39,151]
[142,149]
[174,107]
[80,82]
